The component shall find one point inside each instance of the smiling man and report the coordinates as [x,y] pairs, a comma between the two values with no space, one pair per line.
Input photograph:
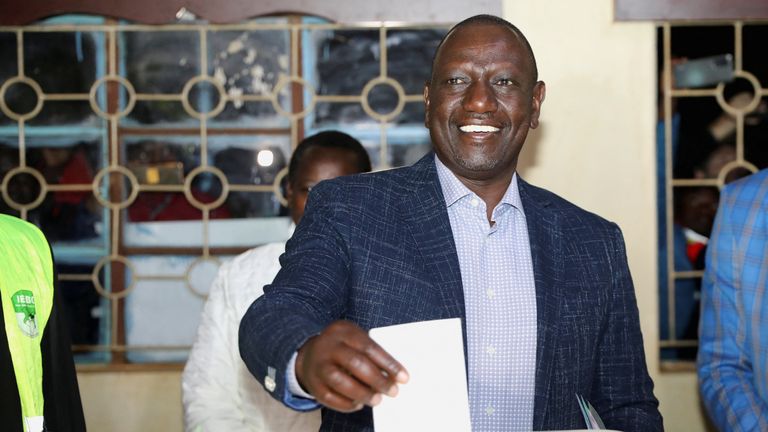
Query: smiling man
[542,287]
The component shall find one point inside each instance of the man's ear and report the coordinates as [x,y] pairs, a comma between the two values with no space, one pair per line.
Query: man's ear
[539,93]
[426,104]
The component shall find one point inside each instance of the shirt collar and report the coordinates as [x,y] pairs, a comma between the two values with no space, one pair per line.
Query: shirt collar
[454,189]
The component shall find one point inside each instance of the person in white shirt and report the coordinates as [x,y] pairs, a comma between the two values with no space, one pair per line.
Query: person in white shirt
[218,392]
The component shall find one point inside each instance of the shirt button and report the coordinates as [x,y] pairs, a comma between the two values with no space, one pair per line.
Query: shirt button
[489,410]
[474,202]
[490,350]
[490,293]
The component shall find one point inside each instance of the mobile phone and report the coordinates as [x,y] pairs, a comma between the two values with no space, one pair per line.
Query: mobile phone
[704,72]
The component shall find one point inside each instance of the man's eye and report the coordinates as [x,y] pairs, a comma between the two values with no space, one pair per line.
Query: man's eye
[454,81]
[505,82]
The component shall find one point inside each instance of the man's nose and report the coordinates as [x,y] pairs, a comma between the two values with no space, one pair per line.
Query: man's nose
[480,98]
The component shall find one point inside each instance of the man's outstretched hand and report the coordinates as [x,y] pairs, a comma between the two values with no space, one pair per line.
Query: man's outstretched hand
[344,369]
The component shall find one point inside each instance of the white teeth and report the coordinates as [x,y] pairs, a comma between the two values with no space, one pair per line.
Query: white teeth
[478,128]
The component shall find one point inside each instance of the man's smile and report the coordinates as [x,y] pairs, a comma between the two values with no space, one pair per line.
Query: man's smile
[478,129]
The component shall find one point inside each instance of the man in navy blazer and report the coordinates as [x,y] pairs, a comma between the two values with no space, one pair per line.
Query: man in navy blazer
[384,248]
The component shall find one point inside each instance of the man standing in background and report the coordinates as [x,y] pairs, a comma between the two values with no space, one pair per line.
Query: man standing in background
[219,393]
[733,335]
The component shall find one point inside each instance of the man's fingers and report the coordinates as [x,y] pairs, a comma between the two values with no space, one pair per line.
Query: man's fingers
[358,365]
[358,339]
[340,382]
[386,362]
[336,401]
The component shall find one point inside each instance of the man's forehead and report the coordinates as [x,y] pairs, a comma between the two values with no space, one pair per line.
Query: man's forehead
[470,30]
[476,32]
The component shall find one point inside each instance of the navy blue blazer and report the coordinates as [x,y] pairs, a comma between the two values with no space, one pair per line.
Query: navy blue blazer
[377,249]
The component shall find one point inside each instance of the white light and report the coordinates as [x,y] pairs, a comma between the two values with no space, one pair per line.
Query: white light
[265,158]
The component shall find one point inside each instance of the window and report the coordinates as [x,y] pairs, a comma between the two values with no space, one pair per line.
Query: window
[150,154]
[713,128]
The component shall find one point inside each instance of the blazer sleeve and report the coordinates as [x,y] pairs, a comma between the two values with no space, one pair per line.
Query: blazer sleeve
[623,389]
[726,376]
[307,294]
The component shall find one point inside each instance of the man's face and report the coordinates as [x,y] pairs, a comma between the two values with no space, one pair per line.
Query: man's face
[698,209]
[317,165]
[481,102]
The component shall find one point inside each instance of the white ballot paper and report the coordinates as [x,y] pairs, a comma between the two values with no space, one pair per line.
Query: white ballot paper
[435,398]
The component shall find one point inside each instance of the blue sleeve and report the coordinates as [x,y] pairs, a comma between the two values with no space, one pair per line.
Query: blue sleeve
[727,358]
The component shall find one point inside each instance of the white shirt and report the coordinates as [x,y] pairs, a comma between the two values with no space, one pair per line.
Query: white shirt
[218,391]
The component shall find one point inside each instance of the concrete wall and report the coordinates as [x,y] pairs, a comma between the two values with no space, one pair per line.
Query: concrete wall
[131,401]
[595,147]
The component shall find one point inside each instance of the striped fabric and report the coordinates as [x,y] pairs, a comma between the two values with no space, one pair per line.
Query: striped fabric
[733,353]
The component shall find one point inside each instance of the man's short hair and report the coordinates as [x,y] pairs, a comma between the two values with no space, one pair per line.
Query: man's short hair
[490,20]
[329,139]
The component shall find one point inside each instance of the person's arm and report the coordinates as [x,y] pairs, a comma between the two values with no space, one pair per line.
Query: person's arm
[726,377]
[210,379]
[623,390]
[63,408]
[299,312]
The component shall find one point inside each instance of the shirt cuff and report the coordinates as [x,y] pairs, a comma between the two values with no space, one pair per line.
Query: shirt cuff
[293,383]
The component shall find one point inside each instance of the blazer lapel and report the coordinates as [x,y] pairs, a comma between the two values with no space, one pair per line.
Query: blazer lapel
[425,215]
[545,237]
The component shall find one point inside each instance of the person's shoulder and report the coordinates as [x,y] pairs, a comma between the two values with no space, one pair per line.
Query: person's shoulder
[747,185]
[254,258]
[546,199]
[745,201]
[241,279]
[389,175]
[387,183]
[19,228]
[259,263]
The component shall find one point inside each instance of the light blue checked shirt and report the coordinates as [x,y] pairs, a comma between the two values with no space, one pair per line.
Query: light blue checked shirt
[500,301]
[733,346]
